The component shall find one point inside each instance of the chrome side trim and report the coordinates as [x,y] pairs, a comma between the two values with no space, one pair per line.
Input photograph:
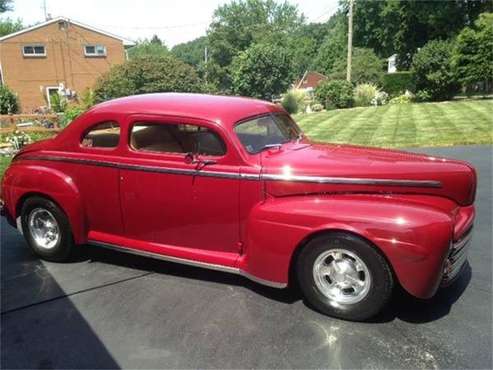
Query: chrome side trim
[273,284]
[234,175]
[354,181]
[210,266]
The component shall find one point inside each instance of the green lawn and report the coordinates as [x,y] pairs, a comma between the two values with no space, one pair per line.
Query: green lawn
[404,125]
[4,162]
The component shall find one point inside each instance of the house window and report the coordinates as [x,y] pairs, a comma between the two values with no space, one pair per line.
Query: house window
[95,51]
[34,51]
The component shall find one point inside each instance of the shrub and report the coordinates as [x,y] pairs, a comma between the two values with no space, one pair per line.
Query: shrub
[147,75]
[58,103]
[381,98]
[422,96]
[335,94]
[364,94]
[317,107]
[295,100]
[397,83]
[473,52]
[405,98]
[433,71]
[290,103]
[9,104]
[71,113]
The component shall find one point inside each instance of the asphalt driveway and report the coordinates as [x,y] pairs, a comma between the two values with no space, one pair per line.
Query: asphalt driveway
[111,310]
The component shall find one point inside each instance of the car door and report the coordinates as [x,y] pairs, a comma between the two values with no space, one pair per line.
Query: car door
[170,201]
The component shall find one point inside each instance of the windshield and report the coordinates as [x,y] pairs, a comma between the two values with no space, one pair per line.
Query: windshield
[265,131]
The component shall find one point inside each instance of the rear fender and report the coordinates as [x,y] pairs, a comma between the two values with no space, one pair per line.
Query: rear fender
[22,181]
[413,237]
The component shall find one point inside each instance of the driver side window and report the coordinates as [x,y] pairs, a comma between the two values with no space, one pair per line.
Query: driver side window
[176,138]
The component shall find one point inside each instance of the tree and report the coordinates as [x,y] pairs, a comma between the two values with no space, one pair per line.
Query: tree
[433,71]
[366,67]
[5,5]
[262,71]
[147,74]
[148,48]
[192,52]
[334,45]
[9,103]
[8,26]
[239,24]
[473,52]
[402,27]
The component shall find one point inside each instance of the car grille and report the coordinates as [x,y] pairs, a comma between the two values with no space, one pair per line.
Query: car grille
[456,258]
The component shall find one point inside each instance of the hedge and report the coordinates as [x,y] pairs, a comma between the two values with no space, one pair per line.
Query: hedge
[397,83]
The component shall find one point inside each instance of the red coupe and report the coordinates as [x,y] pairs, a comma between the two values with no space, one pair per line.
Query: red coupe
[232,184]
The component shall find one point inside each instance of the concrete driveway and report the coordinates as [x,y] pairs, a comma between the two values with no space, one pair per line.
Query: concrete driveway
[111,310]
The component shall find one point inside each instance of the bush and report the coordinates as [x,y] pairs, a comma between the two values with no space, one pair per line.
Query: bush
[335,94]
[58,103]
[317,107]
[9,104]
[397,83]
[422,96]
[433,71]
[405,98]
[364,94]
[381,98]
[290,103]
[71,113]
[473,53]
[295,100]
[147,75]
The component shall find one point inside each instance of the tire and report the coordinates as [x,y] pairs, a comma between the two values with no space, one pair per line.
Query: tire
[329,263]
[46,229]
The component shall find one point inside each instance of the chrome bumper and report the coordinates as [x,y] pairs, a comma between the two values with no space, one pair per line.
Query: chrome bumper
[456,258]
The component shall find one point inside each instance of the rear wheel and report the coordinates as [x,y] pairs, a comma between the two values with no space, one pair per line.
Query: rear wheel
[46,229]
[343,276]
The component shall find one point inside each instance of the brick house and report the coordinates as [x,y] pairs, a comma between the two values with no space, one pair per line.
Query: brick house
[309,81]
[59,56]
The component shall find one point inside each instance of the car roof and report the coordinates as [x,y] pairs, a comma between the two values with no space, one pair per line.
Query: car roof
[224,110]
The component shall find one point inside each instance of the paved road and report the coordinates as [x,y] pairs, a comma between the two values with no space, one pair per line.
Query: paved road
[111,310]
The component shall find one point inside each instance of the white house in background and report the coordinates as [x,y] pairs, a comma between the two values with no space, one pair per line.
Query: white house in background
[392,64]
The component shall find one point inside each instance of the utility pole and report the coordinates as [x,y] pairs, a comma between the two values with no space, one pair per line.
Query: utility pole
[45,12]
[206,59]
[350,41]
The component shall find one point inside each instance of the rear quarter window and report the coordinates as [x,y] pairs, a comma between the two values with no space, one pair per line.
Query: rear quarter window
[102,135]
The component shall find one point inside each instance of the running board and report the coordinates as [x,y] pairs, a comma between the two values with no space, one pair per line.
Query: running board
[210,266]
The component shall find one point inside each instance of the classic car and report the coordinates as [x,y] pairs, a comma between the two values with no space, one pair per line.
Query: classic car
[232,184]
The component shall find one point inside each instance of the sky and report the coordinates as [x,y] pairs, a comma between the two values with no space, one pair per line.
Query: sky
[173,21]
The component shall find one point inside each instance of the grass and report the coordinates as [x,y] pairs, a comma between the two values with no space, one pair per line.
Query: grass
[404,125]
[4,163]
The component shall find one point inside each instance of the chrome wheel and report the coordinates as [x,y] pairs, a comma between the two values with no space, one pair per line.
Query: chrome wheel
[341,276]
[43,228]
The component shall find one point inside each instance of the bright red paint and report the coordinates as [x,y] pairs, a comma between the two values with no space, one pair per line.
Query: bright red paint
[250,224]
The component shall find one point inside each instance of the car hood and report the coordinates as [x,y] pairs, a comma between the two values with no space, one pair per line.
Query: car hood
[306,168]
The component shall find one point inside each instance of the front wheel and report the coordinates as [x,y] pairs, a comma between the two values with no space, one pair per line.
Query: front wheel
[46,229]
[343,276]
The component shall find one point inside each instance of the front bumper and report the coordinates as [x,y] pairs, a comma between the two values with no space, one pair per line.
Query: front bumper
[457,258]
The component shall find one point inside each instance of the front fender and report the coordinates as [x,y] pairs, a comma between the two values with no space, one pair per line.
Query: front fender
[412,232]
[22,180]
